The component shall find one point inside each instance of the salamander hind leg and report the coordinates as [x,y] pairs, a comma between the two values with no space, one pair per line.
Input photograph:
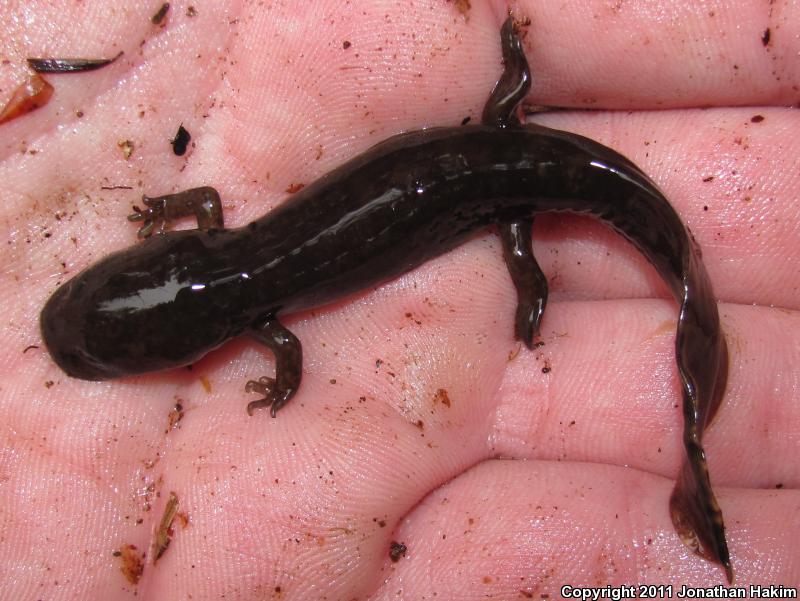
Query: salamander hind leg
[204,203]
[514,83]
[527,276]
[288,353]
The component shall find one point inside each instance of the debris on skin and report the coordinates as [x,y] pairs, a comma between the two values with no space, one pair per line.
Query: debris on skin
[462,6]
[442,397]
[69,65]
[29,96]
[127,148]
[165,532]
[534,109]
[396,551]
[765,37]
[132,563]
[183,519]
[181,141]
[175,416]
[296,187]
[158,18]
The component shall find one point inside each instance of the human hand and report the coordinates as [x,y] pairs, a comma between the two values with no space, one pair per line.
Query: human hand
[420,420]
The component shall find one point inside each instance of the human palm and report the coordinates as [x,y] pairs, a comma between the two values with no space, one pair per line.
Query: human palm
[505,472]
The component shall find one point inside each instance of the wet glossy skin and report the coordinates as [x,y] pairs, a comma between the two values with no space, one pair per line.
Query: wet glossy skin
[174,297]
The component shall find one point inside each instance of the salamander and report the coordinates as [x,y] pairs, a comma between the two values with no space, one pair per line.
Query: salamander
[175,296]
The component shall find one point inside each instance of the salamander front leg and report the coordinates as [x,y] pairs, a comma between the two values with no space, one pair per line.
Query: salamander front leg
[204,203]
[527,276]
[288,367]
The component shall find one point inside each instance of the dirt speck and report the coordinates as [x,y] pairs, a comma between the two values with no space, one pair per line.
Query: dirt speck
[441,396]
[175,416]
[126,146]
[396,551]
[161,13]
[181,141]
[132,563]
[462,6]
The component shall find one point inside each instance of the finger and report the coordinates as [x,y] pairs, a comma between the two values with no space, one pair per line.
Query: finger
[603,388]
[611,393]
[731,179]
[517,530]
[749,151]
[664,54]
[355,454]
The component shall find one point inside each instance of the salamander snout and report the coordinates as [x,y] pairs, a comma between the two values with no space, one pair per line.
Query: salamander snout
[63,326]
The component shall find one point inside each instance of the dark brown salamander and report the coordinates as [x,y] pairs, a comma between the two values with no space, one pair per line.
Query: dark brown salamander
[176,296]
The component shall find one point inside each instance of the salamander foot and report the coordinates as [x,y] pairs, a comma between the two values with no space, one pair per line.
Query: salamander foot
[272,397]
[204,203]
[288,353]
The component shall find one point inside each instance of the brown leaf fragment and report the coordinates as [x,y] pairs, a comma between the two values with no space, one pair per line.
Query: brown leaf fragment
[164,532]
[29,96]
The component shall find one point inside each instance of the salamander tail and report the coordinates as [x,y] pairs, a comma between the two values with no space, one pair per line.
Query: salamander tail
[702,357]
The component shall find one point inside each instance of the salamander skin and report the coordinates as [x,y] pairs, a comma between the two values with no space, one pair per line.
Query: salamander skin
[176,296]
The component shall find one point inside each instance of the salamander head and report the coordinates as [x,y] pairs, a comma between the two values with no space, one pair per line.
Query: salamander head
[133,312]
[63,330]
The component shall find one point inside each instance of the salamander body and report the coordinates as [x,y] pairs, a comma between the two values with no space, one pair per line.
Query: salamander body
[176,296]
